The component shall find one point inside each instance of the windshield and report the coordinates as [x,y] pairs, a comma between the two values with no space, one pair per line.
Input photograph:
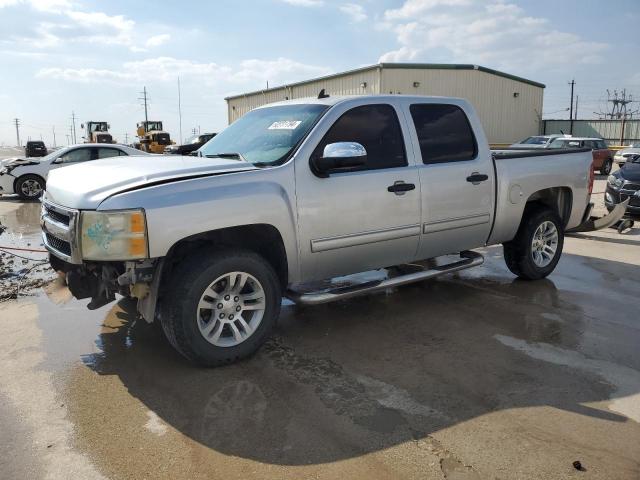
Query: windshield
[98,127]
[535,141]
[192,139]
[266,135]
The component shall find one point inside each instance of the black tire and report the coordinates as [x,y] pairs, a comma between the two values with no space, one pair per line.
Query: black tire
[518,252]
[606,167]
[179,307]
[20,186]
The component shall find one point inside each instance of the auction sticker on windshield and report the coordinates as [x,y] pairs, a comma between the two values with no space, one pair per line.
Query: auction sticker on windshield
[285,125]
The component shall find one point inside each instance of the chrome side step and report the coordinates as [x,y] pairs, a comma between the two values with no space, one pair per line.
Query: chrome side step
[469,259]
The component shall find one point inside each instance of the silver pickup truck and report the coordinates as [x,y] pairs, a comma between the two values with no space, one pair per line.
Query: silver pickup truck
[298,192]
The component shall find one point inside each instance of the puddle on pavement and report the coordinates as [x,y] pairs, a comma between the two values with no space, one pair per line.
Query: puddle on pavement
[21,271]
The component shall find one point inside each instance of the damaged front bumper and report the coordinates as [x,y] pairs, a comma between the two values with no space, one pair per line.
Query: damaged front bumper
[102,281]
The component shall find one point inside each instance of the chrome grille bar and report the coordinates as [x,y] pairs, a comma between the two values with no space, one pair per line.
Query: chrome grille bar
[60,237]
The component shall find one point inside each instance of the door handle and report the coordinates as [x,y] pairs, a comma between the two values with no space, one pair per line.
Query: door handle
[399,187]
[476,178]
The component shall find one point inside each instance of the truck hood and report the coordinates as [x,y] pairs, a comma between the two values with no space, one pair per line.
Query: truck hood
[86,185]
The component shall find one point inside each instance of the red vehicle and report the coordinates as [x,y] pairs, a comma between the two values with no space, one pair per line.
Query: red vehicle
[602,156]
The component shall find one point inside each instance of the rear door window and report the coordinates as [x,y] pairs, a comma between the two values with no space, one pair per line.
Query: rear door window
[444,133]
[377,129]
[108,152]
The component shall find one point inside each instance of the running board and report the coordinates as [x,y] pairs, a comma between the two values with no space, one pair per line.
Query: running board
[469,259]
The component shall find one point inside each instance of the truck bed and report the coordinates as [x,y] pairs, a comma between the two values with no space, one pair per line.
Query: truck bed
[521,173]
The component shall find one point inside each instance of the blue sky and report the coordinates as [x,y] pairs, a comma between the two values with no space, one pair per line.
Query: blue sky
[59,56]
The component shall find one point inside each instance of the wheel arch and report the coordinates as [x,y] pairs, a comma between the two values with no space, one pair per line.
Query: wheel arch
[558,199]
[263,239]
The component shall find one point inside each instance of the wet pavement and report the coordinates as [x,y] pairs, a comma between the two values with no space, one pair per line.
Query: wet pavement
[474,375]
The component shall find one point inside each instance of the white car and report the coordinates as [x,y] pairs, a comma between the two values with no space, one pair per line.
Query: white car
[624,154]
[537,141]
[27,176]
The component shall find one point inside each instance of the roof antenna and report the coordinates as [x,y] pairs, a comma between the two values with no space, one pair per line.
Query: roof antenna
[322,94]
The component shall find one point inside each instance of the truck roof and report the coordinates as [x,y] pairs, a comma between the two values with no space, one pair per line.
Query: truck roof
[334,100]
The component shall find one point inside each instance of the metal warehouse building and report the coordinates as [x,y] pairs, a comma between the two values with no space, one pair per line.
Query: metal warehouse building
[510,107]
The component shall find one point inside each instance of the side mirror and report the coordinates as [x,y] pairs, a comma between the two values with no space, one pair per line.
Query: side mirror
[339,156]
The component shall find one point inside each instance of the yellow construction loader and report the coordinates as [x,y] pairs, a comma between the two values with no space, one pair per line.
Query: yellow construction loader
[152,138]
[97,132]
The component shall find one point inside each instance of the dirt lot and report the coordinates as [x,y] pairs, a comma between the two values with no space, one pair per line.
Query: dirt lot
[475,375]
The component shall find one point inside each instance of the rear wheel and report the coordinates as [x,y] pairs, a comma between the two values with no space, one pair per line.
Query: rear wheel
[535,251]
[606,167]
[30,187]
[221,307]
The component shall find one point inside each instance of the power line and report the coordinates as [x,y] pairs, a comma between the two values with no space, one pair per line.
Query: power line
[572,83]
[73,132]
[17,122]
[145,99]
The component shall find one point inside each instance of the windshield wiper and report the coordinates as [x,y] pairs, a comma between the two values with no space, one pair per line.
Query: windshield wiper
[236,156]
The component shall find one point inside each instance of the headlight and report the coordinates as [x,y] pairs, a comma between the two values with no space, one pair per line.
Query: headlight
[3,170]
[614,181]
[114,235]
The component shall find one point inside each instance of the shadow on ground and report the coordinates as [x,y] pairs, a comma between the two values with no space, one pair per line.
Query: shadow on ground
[348,378]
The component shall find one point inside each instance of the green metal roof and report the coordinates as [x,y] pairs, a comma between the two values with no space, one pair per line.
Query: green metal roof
[417,66]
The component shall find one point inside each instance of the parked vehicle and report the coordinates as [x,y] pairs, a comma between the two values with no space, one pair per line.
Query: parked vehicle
[301,191]
[190,145]
[624,184]
[152,137]
[35,148]
[28,177]
[537,141]
[624,154]
[97,132]
[602,156]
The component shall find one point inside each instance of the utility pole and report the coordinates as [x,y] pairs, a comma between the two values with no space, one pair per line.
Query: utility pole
[179,110]
[73,120]
[66,135]
[126,139]
[576,112]
[53,129]
[193,130]
[572,83]
[145,99]
[17,122]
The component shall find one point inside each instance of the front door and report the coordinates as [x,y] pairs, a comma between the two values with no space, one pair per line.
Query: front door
[358,219]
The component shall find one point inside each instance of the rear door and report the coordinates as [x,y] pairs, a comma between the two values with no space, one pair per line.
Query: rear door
[357,219]
[456,177]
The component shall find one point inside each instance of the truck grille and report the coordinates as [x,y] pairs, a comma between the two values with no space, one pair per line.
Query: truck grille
[59,245]
[57,216]
[59,231]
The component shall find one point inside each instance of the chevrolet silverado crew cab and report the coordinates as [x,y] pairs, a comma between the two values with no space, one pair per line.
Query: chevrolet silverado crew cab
[299,192]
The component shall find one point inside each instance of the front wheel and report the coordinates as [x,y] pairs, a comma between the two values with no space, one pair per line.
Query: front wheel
[30,187]
[606,167]
[220,307]
[535,251]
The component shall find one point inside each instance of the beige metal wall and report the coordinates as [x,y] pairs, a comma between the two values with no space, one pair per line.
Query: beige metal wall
[505,118]
[348,84]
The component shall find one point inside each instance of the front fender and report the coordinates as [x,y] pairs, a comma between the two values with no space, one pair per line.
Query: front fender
[185,208]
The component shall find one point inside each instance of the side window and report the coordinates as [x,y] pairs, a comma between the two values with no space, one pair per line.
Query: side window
[377,129]
[77,155]
[107,152]
[444,133]
[602,144]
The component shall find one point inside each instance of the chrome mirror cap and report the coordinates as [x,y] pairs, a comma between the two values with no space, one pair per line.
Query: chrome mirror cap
[344,150]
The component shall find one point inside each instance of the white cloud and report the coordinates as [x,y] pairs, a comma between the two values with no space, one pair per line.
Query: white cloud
[355,11]
[247,74]
[498,34]
[41,5]
[304,3]
[158,40]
